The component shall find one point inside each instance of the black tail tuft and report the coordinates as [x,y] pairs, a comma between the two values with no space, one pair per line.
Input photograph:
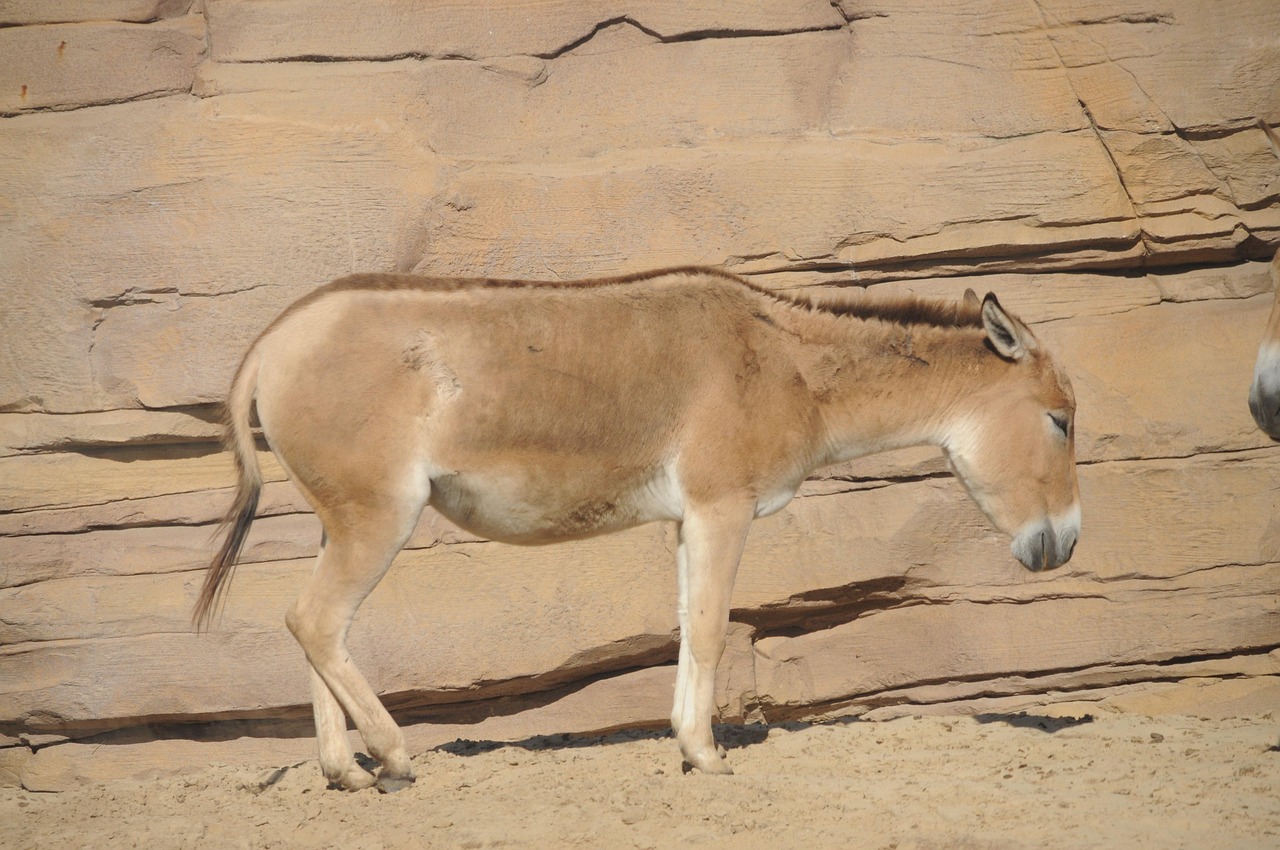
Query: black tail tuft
[223,566]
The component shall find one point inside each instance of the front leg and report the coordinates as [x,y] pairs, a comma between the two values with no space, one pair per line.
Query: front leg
[682,617]
[711,541]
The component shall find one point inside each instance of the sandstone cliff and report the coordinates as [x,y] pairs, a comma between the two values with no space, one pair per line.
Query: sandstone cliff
[173,173]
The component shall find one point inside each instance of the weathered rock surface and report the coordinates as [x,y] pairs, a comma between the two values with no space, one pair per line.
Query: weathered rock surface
[173,174]
[14,12]
[61,66]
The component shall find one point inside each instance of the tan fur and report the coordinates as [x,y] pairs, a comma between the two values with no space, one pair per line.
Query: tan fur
[532,413]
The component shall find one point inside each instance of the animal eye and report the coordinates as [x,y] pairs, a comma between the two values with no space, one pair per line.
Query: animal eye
[1060,422]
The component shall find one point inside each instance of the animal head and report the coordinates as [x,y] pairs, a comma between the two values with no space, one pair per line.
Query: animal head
[1012,443]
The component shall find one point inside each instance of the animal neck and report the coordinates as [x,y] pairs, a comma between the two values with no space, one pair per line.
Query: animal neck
[879,386]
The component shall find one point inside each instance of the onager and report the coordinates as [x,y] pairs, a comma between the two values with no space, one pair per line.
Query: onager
[539,412]
[1264,395]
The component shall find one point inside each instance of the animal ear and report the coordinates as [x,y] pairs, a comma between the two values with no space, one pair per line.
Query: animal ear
[971,298]
[1007,335]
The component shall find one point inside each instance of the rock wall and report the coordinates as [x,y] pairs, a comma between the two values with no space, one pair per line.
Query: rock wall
[173,173]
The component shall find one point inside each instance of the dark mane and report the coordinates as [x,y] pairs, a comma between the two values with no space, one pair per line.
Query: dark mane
[898,309]
[905,310]
[902,310]
[391,281]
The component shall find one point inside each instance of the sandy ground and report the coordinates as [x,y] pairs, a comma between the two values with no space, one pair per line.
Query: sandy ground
[1001,781]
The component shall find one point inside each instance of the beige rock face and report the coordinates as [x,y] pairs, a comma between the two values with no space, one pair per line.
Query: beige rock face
[53,66]
[72,11]
[173,174]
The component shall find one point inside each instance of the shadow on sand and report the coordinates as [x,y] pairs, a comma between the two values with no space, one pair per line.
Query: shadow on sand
[732,736]
[1022,720]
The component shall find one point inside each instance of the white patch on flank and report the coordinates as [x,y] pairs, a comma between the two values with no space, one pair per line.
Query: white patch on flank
[663,497]
[771,503]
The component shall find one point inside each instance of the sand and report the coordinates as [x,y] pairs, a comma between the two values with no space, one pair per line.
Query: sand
[999,781]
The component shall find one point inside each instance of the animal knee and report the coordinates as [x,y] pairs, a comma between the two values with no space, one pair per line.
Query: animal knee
[294,620]
[304,627]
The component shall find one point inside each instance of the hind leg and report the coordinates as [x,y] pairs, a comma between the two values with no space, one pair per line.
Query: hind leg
[337,759]
[361,544]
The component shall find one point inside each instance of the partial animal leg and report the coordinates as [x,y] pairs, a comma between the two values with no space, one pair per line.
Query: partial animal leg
[356,556]
[682,615]
[712,537]
[685,663]
[337,759]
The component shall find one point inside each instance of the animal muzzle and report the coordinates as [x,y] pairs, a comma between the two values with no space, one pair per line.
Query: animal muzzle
[1264,404]
[1047,545]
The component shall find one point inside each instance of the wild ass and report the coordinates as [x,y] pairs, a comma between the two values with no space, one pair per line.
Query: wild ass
[1264,395]
[539,412]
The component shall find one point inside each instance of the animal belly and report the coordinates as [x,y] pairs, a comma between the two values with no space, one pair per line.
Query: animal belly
[522,509]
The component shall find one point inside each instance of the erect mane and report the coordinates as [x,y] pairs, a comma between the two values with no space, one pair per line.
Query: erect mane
[898,309]
[904,310]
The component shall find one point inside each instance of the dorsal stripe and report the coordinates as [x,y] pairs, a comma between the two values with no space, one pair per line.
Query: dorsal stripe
[903,310]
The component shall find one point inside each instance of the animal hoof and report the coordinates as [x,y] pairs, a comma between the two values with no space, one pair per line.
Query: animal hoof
[392,784]
[715,765]
[719,767]
[356,779]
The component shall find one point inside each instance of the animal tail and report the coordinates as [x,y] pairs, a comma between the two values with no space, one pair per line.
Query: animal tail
[239,441]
